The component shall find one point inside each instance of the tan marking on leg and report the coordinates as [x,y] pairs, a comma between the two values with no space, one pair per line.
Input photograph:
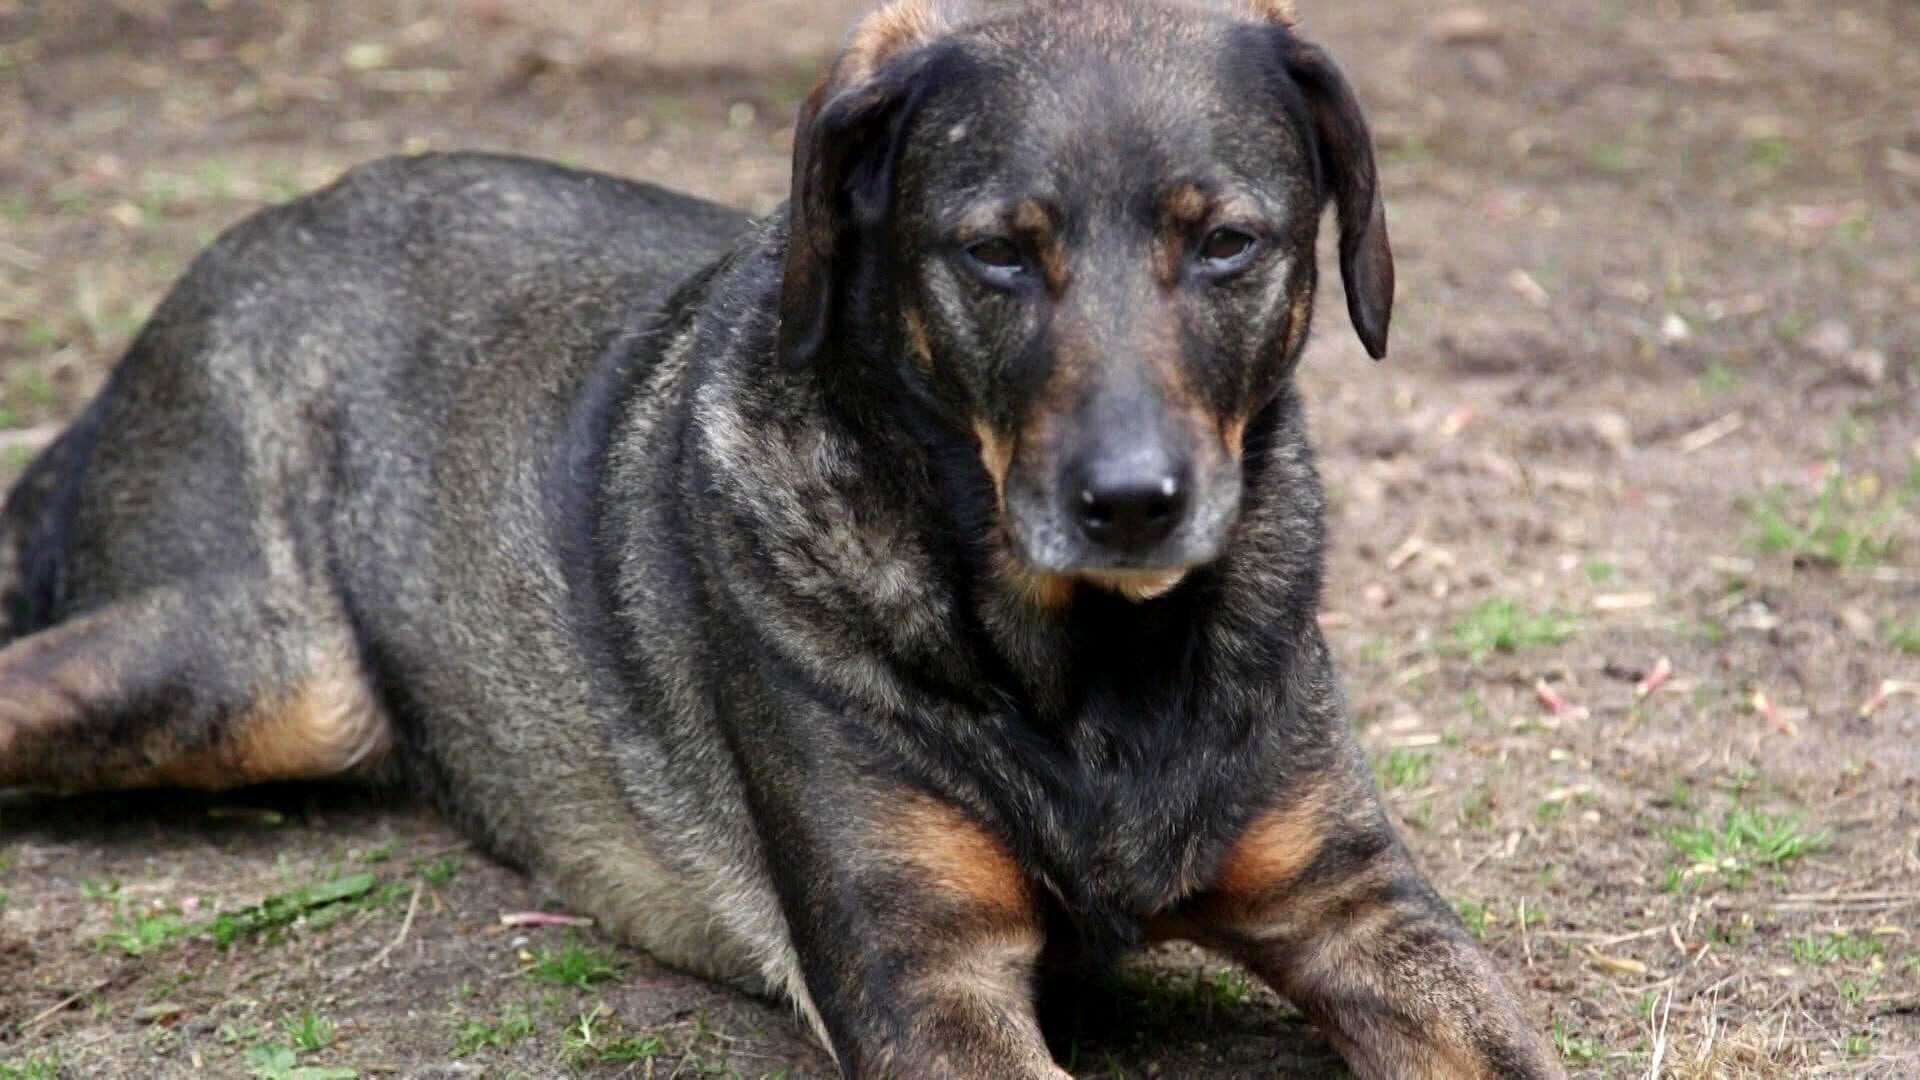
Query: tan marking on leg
[1275,849]
[43,688]
[326,725]
[56,683]
[950,851]
[975,936]
[48,689]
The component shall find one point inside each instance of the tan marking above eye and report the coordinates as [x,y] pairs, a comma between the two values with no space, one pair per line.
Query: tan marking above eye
[1186,204]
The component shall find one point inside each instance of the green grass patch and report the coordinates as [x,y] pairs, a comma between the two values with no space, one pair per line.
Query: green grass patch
[309,1031]
[476,1035]
[1404,769]
[1718,378]
[1502,626]
[138,935]
[1843,526]
[1769,153]
[1841,948]
[1904,637]
[33,387]
[575,965]
[1575,1049]
[280,1062]
[37,1067]
[593,1038]
[1222,988]
[1475,916]
[1477,811]
[1744,841]
[440,871]
[1612,157]
[100,890]
[276,913]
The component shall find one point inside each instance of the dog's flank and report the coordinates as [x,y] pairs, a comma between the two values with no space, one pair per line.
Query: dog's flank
[874,604]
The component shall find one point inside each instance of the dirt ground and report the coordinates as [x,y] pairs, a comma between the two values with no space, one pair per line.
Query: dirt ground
[1626,580]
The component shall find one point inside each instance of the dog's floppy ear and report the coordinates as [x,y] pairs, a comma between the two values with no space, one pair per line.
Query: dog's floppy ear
[845,146]
[1345,153]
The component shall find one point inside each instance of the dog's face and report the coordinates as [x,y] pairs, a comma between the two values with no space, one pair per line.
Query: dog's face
[1087,233]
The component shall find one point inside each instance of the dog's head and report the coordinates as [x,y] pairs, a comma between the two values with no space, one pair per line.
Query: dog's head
[1086,232]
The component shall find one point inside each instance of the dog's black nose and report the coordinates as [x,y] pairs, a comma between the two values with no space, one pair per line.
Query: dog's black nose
[1132,505]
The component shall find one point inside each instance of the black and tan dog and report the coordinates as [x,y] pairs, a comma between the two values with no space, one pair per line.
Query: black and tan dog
[872,604]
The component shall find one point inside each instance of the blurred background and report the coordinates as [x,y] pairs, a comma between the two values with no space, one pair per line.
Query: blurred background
[1626,583]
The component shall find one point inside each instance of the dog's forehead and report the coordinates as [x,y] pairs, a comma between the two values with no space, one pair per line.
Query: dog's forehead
[1108,96]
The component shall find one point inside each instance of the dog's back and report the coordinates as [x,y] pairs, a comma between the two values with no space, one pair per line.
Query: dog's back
[406,296]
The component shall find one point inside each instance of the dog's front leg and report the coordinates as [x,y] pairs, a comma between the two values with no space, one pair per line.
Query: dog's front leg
[917,936]
[1320,899]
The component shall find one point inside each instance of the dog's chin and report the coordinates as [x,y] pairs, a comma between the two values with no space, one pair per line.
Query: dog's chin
[1047,571]
[1138,586]
[1052,590]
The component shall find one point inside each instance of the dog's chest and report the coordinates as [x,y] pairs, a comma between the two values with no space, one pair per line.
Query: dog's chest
[1125,813]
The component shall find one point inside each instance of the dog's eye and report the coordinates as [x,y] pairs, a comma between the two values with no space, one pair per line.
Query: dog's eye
[1227,249]
[999,258]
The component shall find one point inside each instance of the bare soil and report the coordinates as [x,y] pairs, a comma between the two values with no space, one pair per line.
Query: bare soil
[1656,385]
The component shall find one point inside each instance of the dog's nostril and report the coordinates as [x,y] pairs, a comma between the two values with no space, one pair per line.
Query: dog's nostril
[1133,513]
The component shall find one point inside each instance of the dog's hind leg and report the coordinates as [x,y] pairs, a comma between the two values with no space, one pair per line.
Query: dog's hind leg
[211,684]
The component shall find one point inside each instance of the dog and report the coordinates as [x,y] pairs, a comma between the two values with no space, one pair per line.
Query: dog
[876,604]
